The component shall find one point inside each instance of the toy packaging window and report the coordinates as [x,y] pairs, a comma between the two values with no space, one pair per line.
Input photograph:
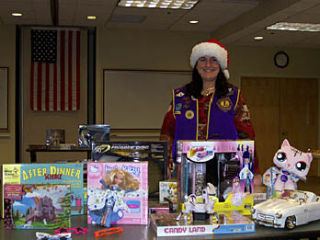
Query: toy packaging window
[222,163]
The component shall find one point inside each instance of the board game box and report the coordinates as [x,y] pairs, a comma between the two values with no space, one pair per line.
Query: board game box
[117,193]
[42,206]
[49,173]
[166,224]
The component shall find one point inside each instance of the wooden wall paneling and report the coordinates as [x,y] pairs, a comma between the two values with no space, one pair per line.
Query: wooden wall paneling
[262,97]
[299,115]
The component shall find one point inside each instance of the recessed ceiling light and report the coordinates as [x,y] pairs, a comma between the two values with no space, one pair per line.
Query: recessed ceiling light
[16,14]
[91,17]
[174,4]
[193,21]
[304,27]
[258,38]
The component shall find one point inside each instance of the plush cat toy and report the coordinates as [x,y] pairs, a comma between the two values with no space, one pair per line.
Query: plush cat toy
[291,165]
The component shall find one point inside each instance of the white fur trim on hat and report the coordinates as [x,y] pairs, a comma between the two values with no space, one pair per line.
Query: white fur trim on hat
[226,73]
[210,49]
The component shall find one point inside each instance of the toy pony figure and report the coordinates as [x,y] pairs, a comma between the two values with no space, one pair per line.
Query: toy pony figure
[291,166]
[115,184]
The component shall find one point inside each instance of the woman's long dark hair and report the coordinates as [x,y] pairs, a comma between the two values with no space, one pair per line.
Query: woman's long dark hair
[194,88]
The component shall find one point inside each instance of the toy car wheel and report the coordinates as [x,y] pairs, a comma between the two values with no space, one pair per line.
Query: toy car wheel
[290,222]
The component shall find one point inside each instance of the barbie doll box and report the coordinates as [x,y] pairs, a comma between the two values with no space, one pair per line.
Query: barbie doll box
[49,173]
[117,193]
[41,206]
[218,168]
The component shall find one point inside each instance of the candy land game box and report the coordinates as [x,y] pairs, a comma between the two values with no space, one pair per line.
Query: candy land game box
[117,193]
[166,224]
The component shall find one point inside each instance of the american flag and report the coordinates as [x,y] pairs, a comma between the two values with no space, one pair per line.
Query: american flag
[55,70]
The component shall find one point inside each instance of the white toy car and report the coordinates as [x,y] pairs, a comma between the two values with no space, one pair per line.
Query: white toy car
[300,208]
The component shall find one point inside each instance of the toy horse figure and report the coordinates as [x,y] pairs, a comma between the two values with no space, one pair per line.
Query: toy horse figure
[291,165]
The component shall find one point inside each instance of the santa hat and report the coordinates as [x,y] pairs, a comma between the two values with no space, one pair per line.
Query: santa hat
[211,48]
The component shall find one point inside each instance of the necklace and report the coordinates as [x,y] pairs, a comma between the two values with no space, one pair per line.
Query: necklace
[208,91]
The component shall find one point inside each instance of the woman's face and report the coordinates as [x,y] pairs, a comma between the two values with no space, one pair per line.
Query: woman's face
[118,179]
[208,68]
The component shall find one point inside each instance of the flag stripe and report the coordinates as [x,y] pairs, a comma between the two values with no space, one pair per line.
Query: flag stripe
[58,73]
[55,87]
[39,86]
[62,71]
[47,93]
[32,86]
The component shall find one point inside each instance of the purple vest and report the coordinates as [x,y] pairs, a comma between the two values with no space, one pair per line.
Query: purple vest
[220,117]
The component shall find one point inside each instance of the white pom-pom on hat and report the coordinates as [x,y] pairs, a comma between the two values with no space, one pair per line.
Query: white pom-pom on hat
[211,48]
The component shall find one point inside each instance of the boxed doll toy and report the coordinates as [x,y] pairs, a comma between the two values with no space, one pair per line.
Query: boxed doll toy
[168,191]
[216,176]
[28,206]
[155,152]
[49,173]
[117,193]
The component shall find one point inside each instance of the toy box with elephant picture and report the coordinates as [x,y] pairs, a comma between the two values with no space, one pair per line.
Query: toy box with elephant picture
[36,206]
[216,176]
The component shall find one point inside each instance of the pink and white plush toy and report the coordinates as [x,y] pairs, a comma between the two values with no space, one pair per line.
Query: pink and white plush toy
[291,165]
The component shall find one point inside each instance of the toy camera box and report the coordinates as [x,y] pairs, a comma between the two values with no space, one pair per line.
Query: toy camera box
[221,168]
[166,224]
[42,206]
[49,173]
[155,152]
[117,193]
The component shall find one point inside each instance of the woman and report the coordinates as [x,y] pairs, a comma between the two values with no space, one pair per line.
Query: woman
[208,107]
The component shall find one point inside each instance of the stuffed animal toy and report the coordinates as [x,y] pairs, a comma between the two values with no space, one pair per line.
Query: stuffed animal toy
[291,165]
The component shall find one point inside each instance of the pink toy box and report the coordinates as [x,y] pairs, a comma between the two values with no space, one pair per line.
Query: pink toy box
[220,168]
[117,193]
